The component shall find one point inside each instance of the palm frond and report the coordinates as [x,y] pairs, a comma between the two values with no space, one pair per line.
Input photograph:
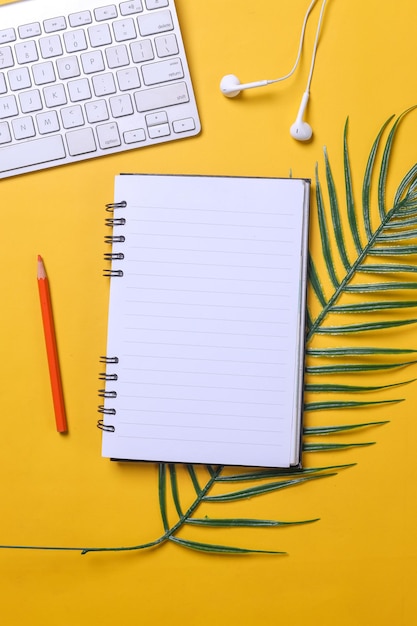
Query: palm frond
[386,232]
[365,252]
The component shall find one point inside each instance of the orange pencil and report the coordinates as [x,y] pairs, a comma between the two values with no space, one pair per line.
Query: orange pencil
[51,348]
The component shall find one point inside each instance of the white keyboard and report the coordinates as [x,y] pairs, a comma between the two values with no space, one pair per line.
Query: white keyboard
[81,79]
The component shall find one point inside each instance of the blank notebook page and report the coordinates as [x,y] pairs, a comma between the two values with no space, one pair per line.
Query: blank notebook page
[207,321]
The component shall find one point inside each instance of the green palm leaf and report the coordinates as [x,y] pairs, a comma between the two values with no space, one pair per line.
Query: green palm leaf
[331,430]
[350,202]
[334,447]
[388,235]
[376,241]
[263,474]
[215,549]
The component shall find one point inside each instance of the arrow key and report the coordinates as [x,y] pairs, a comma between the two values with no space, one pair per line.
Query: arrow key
[162,130]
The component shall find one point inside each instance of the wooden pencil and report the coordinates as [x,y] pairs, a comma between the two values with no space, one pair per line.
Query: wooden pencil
[51,348]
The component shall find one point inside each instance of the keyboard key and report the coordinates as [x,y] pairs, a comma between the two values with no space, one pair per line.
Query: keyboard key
[96,111]
[153,119]
[30,101]
[72,116]
[183,126]
[19,78]
[6,58]
[142,51]
[43,73]
[117,56]
[50,46]
[121,105]
[154,23]
[8,107]
[30,153]
[161,97]
[55,95]
[108,136]
[29,30]
[26,52]
[68,67]
[75,41]
[81,18]
[5,136]
[162,130]
[81,141]
[128,79]
[3,86]
[79,90]
[130,8]
[92,62]
[103,85]
[55,24]
[23,128]
[105,13]
[166,46]
[47,122]
[124,30]
[99,35]
[156,4]
[134,136]
[7,35]
[162,71]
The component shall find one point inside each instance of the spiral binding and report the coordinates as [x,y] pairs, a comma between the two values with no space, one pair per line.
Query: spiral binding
[103,393]
[114,256]
[107,377]
[111,222]
[107,393]
[102,409]
[109,359]
[116,205]
[109,428]
[110,239]
[113,273]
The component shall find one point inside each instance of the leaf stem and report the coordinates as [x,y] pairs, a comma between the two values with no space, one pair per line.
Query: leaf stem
[348,277]
[385,216]
[169,532]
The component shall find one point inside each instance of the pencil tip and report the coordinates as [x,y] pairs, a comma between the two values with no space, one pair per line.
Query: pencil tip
[41,268]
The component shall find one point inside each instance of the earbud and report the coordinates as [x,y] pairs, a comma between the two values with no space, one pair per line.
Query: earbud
[300,130]
[230,85]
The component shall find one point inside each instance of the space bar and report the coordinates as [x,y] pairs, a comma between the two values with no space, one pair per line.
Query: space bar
[31,153]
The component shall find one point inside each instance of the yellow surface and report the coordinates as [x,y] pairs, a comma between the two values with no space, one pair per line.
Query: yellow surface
[355,567]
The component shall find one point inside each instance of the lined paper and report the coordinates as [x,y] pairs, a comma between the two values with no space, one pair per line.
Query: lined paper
[207,321]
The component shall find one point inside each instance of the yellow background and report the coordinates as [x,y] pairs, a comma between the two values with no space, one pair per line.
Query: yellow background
[357,565]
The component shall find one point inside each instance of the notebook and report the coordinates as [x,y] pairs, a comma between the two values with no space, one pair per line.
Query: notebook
[206,320]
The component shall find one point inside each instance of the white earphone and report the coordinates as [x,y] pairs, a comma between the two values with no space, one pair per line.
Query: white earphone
[230,85]
[300,130]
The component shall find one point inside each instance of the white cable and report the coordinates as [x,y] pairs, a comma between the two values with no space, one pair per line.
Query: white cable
[300,47]
[316,42]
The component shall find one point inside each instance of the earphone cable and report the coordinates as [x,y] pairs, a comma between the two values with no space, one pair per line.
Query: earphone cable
[316,42]
[300,46]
